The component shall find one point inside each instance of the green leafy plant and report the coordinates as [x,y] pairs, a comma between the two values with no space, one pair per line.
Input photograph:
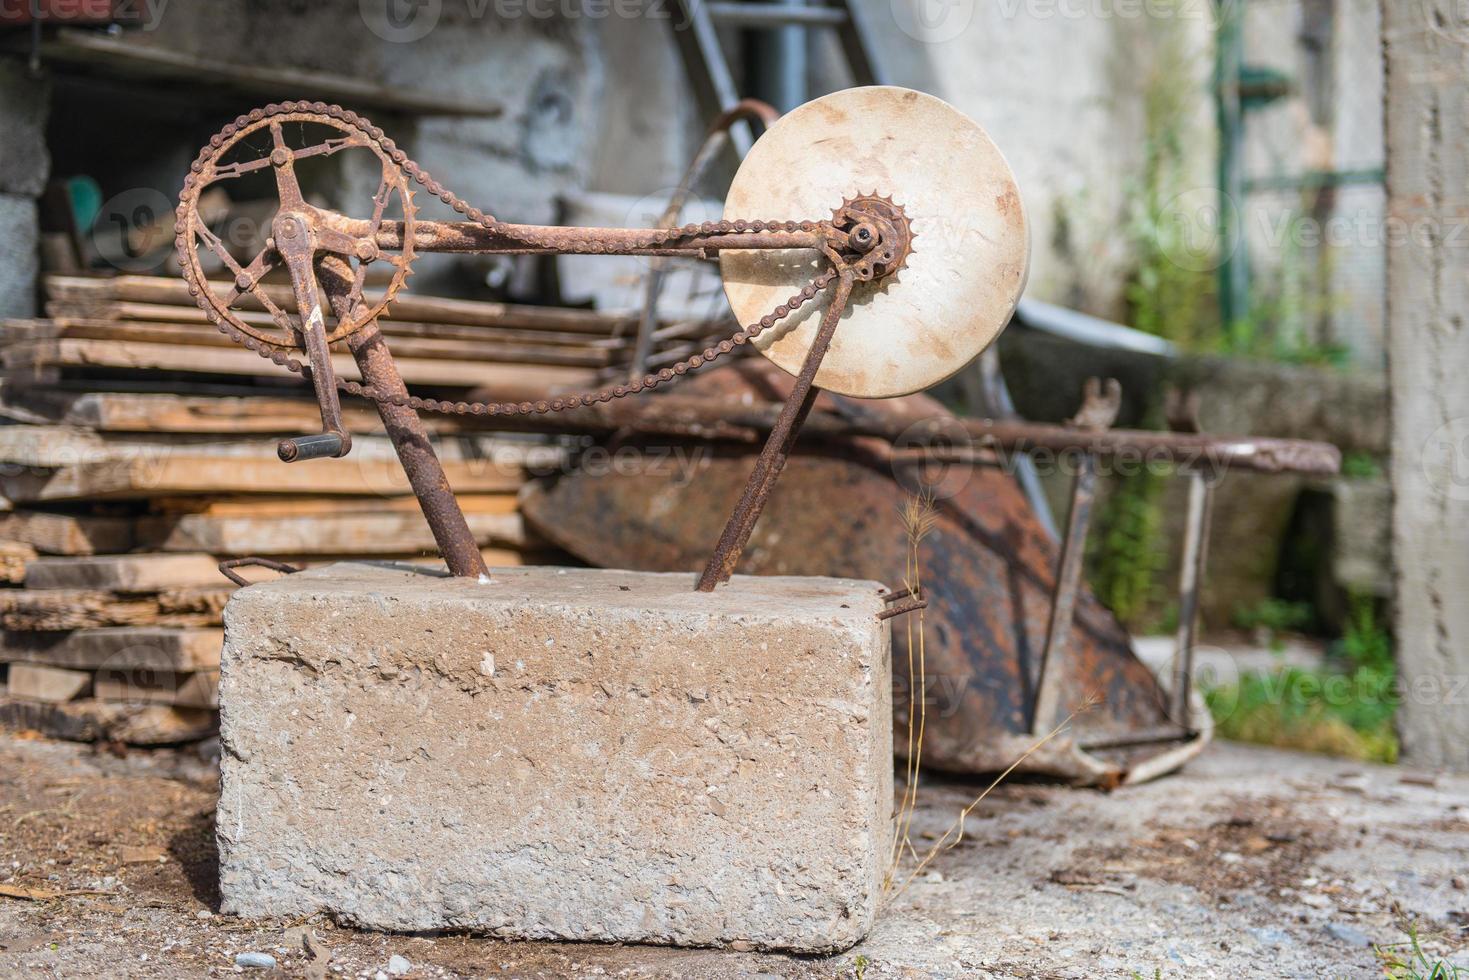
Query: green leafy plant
[1345,708]
[1361,466]
[1407,960]
[1277,326]
[1171,299]
[1126,554]
[1274,617]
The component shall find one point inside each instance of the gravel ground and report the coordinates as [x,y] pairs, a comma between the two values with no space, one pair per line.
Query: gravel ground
[1252,862]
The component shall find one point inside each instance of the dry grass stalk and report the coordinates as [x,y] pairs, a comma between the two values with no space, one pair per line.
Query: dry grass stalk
[918,516]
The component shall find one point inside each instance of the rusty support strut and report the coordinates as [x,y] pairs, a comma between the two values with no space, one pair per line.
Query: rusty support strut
[1098,412]
[778,447]
[410,439]
[1191,580]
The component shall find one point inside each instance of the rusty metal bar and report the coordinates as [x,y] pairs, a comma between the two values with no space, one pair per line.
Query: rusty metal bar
[227,568]
[1225,452]
[778,447]
[410,439]
[295,244]
[1099,406]
[903,607]
[1191,578]
[1063,601]
[704,417]
[1136,739]
[513,239]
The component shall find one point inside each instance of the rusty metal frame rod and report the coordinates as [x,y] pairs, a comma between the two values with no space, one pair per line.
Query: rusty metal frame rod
[1190,583]
[1136,739]
[1063,602]
[778,447]
[683,415]
[512,239]
[425,472]
[1230,452]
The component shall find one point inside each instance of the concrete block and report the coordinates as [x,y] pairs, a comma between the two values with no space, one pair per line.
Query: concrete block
[20,263]
[559,753]
[24,104]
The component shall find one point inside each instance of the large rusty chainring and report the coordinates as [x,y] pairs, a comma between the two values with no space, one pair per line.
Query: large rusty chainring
[342,261]
[874,231]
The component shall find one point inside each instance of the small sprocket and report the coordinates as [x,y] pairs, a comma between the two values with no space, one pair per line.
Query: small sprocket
[879,230]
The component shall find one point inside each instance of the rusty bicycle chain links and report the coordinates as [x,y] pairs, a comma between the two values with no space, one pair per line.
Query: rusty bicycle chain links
[333,115]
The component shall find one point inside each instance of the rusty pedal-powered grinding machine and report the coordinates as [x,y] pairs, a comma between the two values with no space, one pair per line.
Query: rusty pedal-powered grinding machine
[820,234]
[873,244]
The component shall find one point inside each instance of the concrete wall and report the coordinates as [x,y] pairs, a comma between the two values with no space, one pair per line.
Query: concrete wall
[544,71]
[1427,46]
[1060,86]
[1321,253]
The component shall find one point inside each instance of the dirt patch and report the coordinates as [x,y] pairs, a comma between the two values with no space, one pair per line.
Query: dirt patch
[1256,845]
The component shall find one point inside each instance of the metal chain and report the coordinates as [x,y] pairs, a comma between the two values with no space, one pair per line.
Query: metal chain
[413,170]
[564,402]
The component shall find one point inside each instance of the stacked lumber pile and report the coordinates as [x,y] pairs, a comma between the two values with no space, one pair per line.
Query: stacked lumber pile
[138,450]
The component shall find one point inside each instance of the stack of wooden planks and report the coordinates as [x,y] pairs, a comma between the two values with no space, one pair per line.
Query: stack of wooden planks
[138,450]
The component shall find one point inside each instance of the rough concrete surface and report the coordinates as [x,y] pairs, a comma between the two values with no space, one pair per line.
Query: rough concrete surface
[1252,862]
[19,261]
[559,753]
[24,101]
[1428,301]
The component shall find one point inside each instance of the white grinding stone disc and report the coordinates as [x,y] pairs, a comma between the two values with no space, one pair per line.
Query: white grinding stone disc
[971,243]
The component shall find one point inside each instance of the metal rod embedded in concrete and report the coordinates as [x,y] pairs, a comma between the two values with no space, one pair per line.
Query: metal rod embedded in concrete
[410,439]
